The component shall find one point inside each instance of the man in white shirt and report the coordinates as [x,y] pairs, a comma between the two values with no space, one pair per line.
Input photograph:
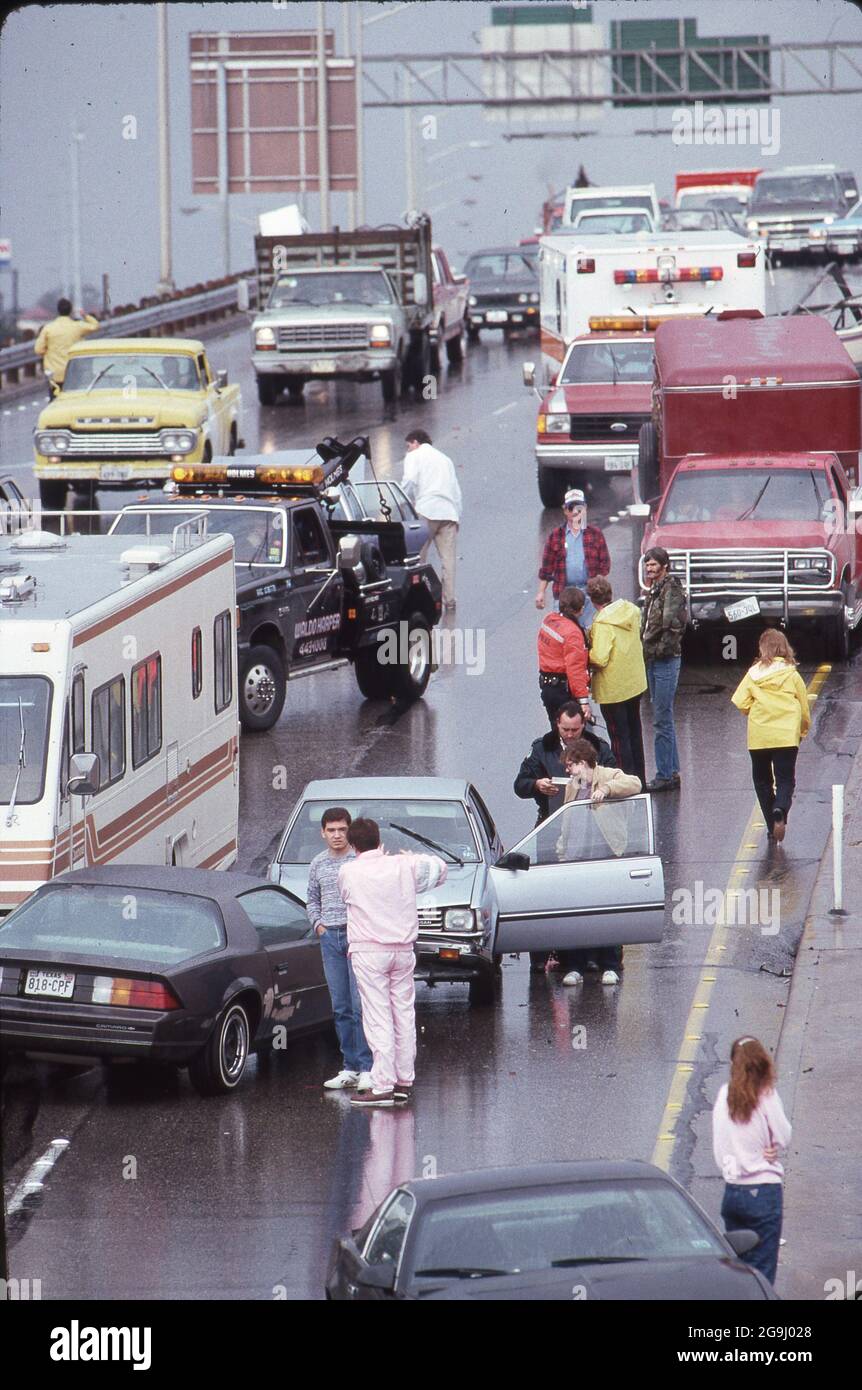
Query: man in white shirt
[430,482]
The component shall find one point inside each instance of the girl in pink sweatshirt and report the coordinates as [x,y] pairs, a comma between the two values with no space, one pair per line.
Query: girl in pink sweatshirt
[749,1128]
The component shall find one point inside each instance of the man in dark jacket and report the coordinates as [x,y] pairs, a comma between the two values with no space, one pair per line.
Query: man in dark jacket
[544,761]
[662,630]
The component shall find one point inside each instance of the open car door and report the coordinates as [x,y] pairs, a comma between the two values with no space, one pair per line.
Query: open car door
[590,877]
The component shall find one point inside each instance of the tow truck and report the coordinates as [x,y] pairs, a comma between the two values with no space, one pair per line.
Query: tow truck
[313,593]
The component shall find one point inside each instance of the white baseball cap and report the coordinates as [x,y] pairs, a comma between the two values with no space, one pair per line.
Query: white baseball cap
[574,497]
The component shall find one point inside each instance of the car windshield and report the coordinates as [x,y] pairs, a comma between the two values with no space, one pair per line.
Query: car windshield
[747,494]
[608,363]
[114,923]
[368,287]
[692,220]
[514,265]
[813,188]
[258,532]
[444,822]
[25,705]
[623,223]
[542,1227]
[129,372]
[610,203]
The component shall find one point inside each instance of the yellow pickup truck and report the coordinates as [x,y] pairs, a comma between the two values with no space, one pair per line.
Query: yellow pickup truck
[129,410]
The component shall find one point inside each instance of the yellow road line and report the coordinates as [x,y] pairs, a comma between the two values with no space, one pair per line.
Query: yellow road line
[692,1036]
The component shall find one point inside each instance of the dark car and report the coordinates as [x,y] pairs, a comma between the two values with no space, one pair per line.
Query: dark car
[191,967]
[551,1231]
[504,290]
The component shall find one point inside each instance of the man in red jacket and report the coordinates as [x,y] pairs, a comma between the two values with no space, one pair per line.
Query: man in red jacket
[564,672]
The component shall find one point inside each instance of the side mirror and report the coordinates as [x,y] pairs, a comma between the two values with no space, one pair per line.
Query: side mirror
[552,379]
[528,372]
[380,1276]
[242,296]
[640,509]
[349,552]
[84,774]
[854,504]
[420,287]
[513,860]
[221,380]
[741,1242]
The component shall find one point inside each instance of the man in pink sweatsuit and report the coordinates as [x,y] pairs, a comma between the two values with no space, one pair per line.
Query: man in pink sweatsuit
[379,892]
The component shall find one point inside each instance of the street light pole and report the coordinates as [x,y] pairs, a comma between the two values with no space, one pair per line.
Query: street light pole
[345,34]
[223,166]
[75,190]
[322,120]
[166,282]
[360,131]
[408,144]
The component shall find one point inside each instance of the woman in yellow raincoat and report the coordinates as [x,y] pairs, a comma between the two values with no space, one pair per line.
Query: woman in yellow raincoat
[773,695]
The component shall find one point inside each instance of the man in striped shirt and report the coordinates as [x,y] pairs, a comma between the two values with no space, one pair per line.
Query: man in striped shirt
[327,913]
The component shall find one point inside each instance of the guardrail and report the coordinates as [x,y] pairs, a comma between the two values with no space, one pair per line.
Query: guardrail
[184,313]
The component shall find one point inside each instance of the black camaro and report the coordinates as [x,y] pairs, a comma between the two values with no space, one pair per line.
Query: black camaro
[192,967]
[552,1231]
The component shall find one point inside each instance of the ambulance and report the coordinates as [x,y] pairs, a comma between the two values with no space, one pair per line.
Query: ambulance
[118,703]
[635,282]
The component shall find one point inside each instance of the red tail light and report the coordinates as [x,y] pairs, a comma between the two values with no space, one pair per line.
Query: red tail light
[133,994]
[746,259]
[586,265]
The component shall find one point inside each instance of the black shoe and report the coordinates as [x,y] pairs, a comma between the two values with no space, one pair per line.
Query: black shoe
[779,825]
[402,1092]
[676,779]
[660,784]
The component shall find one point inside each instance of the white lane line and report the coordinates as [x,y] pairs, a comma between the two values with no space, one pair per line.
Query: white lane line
[34,1180]
[22,407]
[504,408]
[15,467]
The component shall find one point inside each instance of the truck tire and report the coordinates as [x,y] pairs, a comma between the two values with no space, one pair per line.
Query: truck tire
[268,389]
[418,365]
[455,349]
[390,383]
[373,679]
[839,636]
[405,680]
[473,334]
[296,390]
[262,688]
[648,483]
[434,355]
[483,990]
[52,495]
[552,486]
[231,445]
[84,499]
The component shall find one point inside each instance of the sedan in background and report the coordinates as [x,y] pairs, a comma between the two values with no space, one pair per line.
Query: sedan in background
[189,967]
[587,876]
[380,501]
[504,290]
[553,1231]
[838,236]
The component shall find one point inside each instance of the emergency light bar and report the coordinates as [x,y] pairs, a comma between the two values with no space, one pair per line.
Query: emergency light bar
[638,323]
[337,460]
[655,277]
[239,473]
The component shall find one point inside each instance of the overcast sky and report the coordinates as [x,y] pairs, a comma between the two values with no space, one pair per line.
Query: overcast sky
[96,65]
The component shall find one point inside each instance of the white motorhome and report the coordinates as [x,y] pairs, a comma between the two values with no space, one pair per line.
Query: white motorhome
[119,734]
[624,198]
[612,283]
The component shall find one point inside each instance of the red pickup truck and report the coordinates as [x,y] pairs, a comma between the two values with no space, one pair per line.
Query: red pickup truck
[754,450]
[450,310]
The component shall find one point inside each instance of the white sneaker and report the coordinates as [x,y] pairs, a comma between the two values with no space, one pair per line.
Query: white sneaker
[344,1081]
[574,977]
[364,1082]
[610,977]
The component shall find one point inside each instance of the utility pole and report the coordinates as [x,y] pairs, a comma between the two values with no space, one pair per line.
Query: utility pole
[75,190]
[166,281]
[410,172]
[360,131]
[223,170]
[322,120]
[345,32]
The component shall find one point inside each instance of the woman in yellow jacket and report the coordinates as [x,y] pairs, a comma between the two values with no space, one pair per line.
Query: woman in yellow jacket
[773,695]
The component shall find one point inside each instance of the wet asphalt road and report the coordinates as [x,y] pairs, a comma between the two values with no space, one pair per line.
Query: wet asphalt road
[161,1194]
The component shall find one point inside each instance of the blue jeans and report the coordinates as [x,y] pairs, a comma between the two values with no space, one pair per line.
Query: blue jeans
[346,1004]
[756,1209]
[662,678]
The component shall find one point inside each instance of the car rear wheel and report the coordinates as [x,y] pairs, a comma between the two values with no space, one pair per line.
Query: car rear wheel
[262,688]
[552,486]
[267,390]
[219,1065]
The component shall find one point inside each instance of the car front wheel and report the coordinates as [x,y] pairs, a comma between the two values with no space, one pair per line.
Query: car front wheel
[219,1065]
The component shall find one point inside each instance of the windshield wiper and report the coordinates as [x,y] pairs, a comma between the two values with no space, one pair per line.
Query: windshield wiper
[423,839]
[22,763]
[155,377]
[755,504]
[616,367]
[598,1260]
[98,377]
[460,1272]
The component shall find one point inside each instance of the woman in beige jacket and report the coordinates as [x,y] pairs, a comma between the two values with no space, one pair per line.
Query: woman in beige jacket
[589,782]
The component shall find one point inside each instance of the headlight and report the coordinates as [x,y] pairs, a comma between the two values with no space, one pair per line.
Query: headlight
[380,334]
[829,218]
[678,566]
[817,232]
[558,424]
[814,562]
[751,225]
[522,298]
[534,299]
[48,443]
[471,299]
[178,441]
[459,919]
[264,337]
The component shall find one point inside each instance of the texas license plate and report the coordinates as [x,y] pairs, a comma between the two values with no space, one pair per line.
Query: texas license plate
[115,472]
[746,608]
[496,316]
[620,463]
[56,984]
[323,364]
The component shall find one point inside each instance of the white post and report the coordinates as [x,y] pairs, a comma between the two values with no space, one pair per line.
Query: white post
[360,132]
[346,19]
[408,143]
[322,120]
[223,166]
[76,294]
[166,282]
[837,849]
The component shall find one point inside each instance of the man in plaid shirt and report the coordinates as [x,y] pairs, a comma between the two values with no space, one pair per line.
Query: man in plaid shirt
[574,552]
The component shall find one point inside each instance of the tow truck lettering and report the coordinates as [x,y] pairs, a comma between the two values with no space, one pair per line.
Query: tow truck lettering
[310,626]
[318,644]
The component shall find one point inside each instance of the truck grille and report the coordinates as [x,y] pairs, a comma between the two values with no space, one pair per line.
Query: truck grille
[122,444]
[751,571]
[599,427]
[323,335]
[789,225]
[498,300]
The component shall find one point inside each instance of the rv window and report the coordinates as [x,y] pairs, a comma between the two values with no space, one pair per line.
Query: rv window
[223,664]
[108,719]
[197,663]
[146,710]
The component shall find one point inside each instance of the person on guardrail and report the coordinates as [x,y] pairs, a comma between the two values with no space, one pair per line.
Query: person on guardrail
[573,554]
[662,629]
[772,693]
[618,673]
[432,485]
[562,647]
[749,1128]
[55,341]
